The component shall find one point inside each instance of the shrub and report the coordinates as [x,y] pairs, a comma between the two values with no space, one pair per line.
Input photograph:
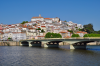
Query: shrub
[92,35]
[53,35]
[75,35]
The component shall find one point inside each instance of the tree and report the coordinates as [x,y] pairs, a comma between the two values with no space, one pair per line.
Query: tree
[38,29]
[71,31]
[75,35]
[88,28]
[81,29]
[42,31]
[65,21]
[24,22]
[9,38]
[53,35]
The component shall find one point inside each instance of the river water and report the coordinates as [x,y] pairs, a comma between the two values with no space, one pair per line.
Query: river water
[37,56]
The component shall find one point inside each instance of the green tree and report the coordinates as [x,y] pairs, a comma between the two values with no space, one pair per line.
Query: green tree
[42,31]
[24,22]
[88,28]
[92,35]
[71,31]
[53,35]
[9,38]
[38,29]
[75,35]
[65,21]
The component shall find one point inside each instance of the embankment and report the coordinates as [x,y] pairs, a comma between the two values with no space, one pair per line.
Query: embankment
[9,43]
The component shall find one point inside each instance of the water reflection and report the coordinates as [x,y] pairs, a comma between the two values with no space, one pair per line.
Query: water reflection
[37,56]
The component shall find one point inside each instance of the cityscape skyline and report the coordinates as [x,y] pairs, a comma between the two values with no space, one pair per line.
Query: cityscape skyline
[81,12]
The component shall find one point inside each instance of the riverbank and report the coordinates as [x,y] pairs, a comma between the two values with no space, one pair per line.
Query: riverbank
[9,43]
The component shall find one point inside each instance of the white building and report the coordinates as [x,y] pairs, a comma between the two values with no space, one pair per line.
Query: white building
[17,36]
[37,18]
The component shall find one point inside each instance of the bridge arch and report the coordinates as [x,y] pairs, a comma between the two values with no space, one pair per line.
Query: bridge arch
[25,43]
[36,43]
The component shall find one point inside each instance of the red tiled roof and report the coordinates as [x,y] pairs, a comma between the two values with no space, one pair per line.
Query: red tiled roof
[37,17]
[40,36]
[48,18]
[1,28]
[81,32]
[30,28]
[42,26]
[67,37]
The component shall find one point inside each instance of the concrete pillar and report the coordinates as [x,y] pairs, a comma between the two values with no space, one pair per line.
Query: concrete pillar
[71,46]
[20,43]
[44,43]
[29,42]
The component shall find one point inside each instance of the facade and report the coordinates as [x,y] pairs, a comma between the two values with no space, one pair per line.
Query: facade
[81,33]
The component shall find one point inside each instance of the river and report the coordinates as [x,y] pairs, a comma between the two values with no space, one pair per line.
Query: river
[38,56]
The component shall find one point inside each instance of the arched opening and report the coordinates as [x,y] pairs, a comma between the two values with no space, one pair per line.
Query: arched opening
[36,43]
[25,43]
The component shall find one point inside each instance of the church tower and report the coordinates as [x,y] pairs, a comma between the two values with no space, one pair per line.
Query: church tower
[39,15]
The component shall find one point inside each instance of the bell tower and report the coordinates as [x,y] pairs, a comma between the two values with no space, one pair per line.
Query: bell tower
[39,15]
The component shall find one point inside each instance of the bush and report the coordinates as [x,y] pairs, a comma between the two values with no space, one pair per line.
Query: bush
[75,35]
[92,35]
[9,38]
[53,35]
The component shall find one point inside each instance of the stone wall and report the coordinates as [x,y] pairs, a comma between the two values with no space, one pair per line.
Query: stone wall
[9,43]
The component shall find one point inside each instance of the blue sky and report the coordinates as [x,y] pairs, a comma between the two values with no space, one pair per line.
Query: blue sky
[79,11]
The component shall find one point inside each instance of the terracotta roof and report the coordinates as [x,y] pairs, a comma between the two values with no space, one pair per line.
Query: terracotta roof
[63,32]
[81,32]
[20,28]
[40,36]
[1,28]
[42,26]
[9,25]
[12,27]
[56,29]
[48,18]
[24,26]
[1,32]
[37,17]
[30,28]
[67,37]
[18,32]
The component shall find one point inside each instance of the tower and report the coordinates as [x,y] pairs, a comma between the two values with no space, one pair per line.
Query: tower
[39,15]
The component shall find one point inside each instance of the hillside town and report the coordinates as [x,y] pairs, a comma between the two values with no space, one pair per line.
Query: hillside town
[38,27]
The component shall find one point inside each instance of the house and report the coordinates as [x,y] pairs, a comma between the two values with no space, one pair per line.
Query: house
[81,33]
[40,37]
[65,33]
[56,19]
[1,35]
[1,29]
[48,20]
[57,30]
[44,28]
[17,36]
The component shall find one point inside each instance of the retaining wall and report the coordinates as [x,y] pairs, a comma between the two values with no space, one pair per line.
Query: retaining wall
[9,43]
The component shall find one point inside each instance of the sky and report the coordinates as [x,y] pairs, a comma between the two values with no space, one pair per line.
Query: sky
[78,11]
